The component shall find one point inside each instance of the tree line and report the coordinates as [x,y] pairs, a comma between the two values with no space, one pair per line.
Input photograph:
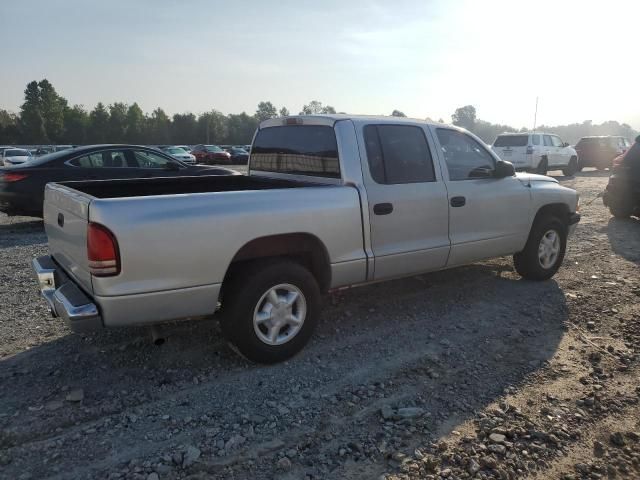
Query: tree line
[46,117]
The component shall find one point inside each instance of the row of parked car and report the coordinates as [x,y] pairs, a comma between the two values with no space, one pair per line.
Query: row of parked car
[202,154]
[541,152]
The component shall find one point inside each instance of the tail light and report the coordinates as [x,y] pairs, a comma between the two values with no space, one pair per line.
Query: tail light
[529,150]
[102,251]
[10,177]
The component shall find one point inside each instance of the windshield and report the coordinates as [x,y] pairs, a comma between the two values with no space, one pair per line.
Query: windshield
[16,153]
[213,148]
[511,141]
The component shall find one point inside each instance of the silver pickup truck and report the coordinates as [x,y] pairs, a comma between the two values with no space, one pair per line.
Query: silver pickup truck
[329,202]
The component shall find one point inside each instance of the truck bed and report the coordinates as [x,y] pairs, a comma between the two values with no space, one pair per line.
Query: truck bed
[145,187]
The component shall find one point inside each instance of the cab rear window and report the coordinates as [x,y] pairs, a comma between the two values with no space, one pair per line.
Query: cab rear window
[297,149]
[511,141]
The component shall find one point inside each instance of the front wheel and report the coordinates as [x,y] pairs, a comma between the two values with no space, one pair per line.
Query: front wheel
[544,252]
[572,168]
[270,309]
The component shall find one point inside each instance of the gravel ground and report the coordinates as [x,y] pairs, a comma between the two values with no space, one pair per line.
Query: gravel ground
[468,373]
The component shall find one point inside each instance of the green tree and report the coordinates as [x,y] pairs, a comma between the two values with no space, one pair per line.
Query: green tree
[315,107]
[465,117]
[9,129]
[241,128]
[31,119]
[98,124]
[184,128]
[397,113]
[117,131]
[284,112]
[265,111]
[52,107]
[212,127]
[159,127]
[76,123]
[136,124]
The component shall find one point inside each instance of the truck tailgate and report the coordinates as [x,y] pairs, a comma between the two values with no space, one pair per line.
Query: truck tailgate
[66,215]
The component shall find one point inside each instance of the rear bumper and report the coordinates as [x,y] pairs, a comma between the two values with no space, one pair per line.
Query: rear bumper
[65,298]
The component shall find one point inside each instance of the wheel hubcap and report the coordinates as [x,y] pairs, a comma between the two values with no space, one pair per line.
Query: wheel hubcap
[549,249]
[279,314]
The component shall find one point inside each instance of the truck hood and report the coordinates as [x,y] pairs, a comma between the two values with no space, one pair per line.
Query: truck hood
[532,177]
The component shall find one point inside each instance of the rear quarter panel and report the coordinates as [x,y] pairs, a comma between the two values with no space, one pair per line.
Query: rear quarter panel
[182,241]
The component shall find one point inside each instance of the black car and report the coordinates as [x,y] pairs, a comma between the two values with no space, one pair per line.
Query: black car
[622,195]
[238,155]
[22,186]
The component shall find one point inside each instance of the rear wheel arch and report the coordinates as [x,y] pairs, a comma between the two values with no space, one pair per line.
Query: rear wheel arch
[304,248]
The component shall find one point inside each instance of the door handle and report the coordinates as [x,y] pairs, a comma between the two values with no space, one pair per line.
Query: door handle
[458,201]
[383,208]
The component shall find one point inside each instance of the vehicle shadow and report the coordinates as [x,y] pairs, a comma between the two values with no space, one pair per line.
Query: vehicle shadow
[593,173]
[624,237]
[480,328]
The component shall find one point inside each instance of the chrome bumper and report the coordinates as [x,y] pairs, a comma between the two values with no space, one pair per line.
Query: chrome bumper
[64,297]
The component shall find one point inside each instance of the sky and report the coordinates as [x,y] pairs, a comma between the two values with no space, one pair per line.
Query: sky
[423,57]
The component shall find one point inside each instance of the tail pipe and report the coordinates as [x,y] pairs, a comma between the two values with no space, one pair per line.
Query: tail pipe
[158,336]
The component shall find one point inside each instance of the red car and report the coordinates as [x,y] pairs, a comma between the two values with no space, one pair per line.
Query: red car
[210,155]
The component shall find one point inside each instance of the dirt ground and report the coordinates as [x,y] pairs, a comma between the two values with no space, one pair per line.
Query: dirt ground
[468,373]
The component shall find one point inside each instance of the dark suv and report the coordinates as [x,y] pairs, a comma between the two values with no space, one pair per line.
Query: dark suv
[599,152]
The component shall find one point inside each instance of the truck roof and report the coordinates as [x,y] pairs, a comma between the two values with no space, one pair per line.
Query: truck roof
[330,119]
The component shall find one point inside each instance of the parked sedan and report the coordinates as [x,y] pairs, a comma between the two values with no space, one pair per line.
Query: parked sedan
[180,154]
[239,156]
[22,186]
[211,155]
[15,156]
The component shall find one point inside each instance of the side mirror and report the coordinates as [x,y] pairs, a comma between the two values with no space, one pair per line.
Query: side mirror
[504,169]
[565,144]
[172,166]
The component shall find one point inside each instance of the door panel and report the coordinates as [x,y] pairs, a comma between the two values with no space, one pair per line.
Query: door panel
[408,209]
[414,236]
[488,216]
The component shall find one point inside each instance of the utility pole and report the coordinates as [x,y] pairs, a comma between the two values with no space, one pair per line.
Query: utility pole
[535,117]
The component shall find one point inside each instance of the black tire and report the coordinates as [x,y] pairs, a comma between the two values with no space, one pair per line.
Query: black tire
[572,168]
[543,166]
[528,263]
[620,211]
[244,294]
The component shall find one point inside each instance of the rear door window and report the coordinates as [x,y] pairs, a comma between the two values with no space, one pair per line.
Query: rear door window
[511,141]
[398,154]
[297,149]
[106,159]
[535,139]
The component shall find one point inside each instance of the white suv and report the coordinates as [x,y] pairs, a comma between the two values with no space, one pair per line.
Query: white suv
[537,152]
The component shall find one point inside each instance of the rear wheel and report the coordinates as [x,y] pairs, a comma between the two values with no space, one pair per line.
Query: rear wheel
[572,168]
[543,166]
[270,309]
[544,252]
